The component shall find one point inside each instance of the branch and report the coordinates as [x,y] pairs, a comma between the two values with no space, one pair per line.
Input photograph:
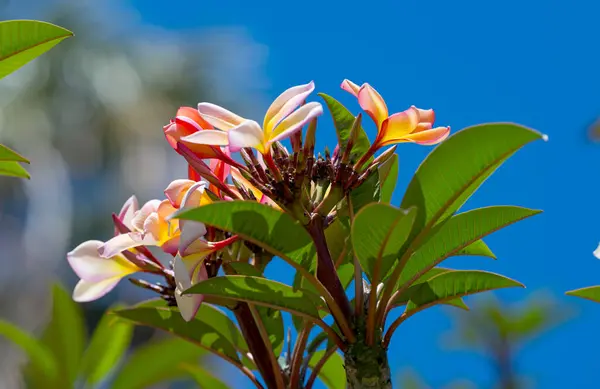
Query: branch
[318,367]
[297,356]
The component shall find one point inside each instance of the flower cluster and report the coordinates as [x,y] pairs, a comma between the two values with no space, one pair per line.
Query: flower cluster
[293,180]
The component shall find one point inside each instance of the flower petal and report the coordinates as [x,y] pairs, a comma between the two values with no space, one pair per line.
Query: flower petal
[286,103]
[397,127]
[184,278]
[219,117]
[192,117]
[350,87]
[429,137]
[86,262]
[140,216]
[128,210]
[177,190]
[190,230]
[86,291]
[207,137]
[124,242]
[372,103]
[247,134]
[296,121]
[425,115]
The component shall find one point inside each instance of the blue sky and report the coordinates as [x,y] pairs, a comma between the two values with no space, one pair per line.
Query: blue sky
[529,61]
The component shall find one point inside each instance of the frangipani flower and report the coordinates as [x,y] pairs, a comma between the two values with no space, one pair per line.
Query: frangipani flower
[187,122]
[189,269]
[413,125]
[151,225]
[283,118]
[98,275]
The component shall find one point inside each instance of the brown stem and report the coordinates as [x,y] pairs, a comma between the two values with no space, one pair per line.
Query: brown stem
[257,347]
[297,356]
[326,272]
[270,354]
[318,367]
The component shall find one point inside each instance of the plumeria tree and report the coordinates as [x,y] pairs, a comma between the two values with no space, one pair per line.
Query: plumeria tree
[248,200]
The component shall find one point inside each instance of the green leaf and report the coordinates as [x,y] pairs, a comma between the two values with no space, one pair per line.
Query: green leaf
[436,271]
[454,284]
[156,362]
[261,291]
[261,225]
[109,343]
[343,120]
[388,176]
[378,233]
[7,154]
[449,238]
[211,329]
[24,40]
[590,293]
[368,192]
[477,248]
[273,322]
[13,169]
[204,378]
[454,170]
[65,335]
[40,356]
[332,373]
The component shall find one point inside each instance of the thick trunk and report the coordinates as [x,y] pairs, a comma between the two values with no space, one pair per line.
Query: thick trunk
[367,367]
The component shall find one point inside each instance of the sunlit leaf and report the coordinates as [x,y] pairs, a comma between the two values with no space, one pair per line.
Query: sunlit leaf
[260,291]
[378,233]
[261,225]
[40,356]
[454,284]
[204,378]
[156,362]
[7,154]
[405,297]
[211,329]
[109,343]
[454,170]
[332,373]
[590,293]
[24,40]
[477,248]
[458,232]
[388,176]
[13,169]
[342,121]
[273,322]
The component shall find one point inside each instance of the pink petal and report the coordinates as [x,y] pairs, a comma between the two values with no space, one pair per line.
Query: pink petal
[185,277]
[123,242]
[207,137]
[219,117]
[296,121]
[192,117]
[176,190]
[128,210]
[286,103]
[350,87]
[372,103]
[426,115]
[86,291]
[86,262]
[140,216]
[430,137]
[247,134]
